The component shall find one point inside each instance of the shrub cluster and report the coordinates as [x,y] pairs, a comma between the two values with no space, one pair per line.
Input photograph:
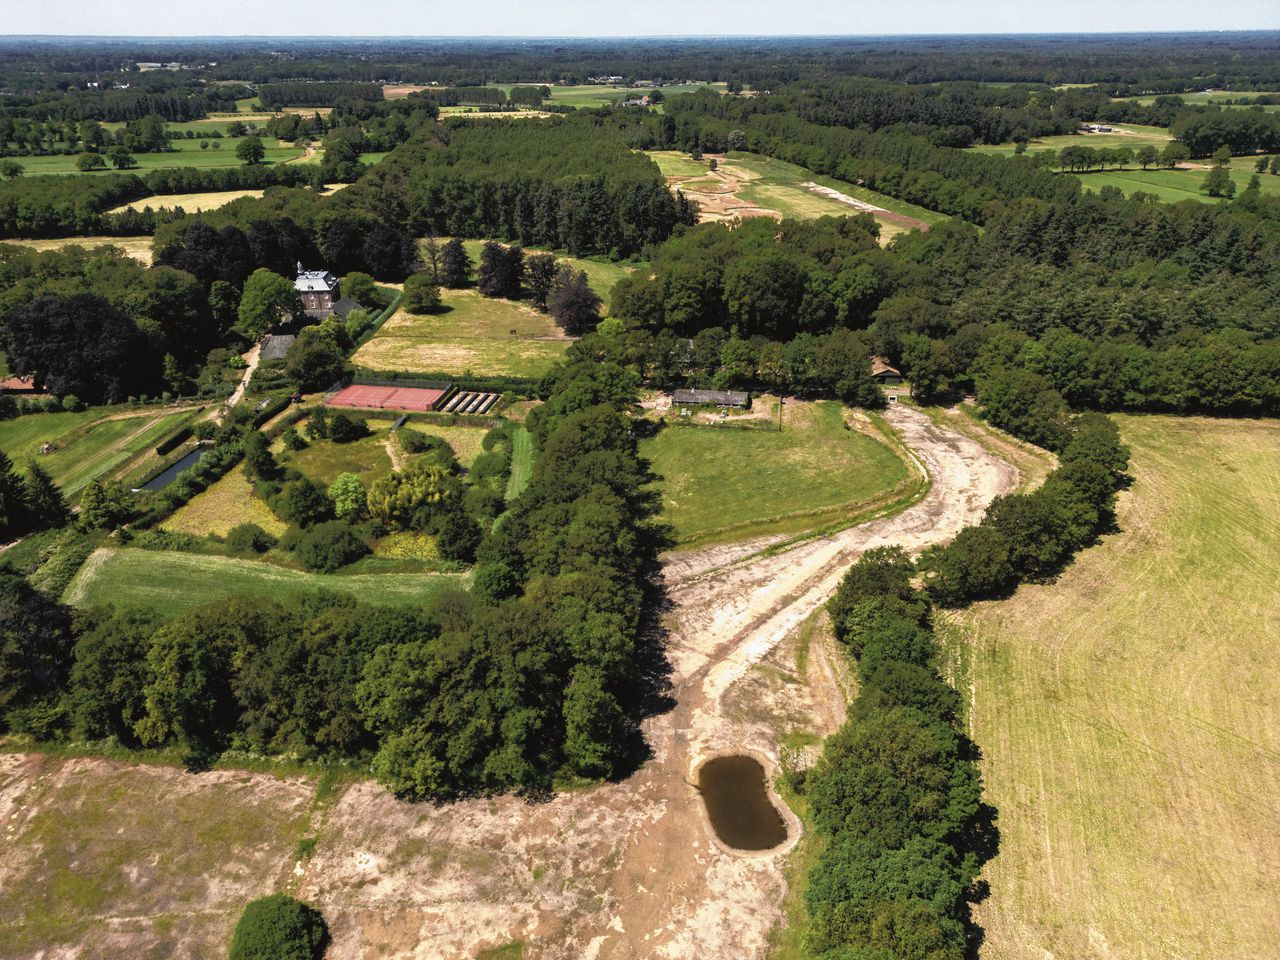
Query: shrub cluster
[1031,536]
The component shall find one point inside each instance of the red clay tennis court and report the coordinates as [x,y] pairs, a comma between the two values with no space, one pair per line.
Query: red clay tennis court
[365,397]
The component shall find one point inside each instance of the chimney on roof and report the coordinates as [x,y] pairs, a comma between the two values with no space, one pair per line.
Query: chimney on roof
[300,270]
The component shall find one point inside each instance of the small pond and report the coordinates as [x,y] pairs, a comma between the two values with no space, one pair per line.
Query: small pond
[162,480]
[738,804]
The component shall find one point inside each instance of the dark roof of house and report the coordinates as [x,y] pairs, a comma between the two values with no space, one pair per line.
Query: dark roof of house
[879,365]
[722,398]
[276,346]
[344,307]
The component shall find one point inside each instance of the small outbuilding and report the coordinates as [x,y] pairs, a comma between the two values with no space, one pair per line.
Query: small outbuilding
[717,398]
[884,374]
[275,346]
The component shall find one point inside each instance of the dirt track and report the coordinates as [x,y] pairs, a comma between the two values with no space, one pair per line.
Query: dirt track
[626,870]
[630,870]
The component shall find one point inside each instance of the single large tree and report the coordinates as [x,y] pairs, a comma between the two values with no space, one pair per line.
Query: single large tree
[250,151]
[268,300]
[455,266]
[78,345]
[572,302]
[501,269]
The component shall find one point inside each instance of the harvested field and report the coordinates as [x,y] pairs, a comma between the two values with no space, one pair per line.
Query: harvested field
[137,247]
[472,335]
[189,202]
[1130,720]
[398,91]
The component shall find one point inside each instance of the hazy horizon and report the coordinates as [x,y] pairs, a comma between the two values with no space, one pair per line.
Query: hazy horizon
[576,19]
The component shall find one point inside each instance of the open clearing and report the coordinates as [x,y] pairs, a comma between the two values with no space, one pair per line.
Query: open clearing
[323,460]
[747,185]
[1131,135]
[471,335]
[137,247]
[601,274]
[615,872]
[721,483]
[185,153]
[170,581]
[1130,718]
[1181,184]
[228,502]
[91,443]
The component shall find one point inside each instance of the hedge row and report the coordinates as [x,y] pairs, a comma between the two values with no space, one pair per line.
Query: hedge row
[896,797]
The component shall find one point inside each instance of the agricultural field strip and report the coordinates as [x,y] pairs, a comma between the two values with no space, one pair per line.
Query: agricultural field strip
[1128,717]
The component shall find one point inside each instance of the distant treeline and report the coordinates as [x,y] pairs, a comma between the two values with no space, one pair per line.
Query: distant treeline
[121,105]
[67,206]
[1160,63]
[273,96]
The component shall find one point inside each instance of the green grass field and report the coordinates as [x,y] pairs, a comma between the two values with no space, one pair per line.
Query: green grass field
[323,460]
[599,95]
[720,483]
[471,335]
[91,443]
[186,153]
[1129,718]
[1174,185]
[1137,136]
[171,582]
[1213,96]
[521,463]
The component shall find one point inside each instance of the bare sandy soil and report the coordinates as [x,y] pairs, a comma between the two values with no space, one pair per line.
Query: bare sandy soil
[901,219]
[625,870]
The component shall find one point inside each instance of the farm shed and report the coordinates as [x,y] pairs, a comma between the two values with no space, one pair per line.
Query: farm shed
[883,373]
[719,398]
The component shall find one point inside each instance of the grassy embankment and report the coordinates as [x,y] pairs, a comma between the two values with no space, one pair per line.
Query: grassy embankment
[1129,718]
[720,483]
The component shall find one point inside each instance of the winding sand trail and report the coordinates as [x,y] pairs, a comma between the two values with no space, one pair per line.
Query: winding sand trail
[631,870]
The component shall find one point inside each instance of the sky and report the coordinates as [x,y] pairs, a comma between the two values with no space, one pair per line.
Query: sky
[637,18]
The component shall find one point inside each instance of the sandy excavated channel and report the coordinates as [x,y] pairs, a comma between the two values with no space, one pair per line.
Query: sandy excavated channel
[616,872]
[629,870]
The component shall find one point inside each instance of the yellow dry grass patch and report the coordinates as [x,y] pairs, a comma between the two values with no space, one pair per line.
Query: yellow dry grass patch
[137,247]
[1129,717]
[189,202]
[228,503]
